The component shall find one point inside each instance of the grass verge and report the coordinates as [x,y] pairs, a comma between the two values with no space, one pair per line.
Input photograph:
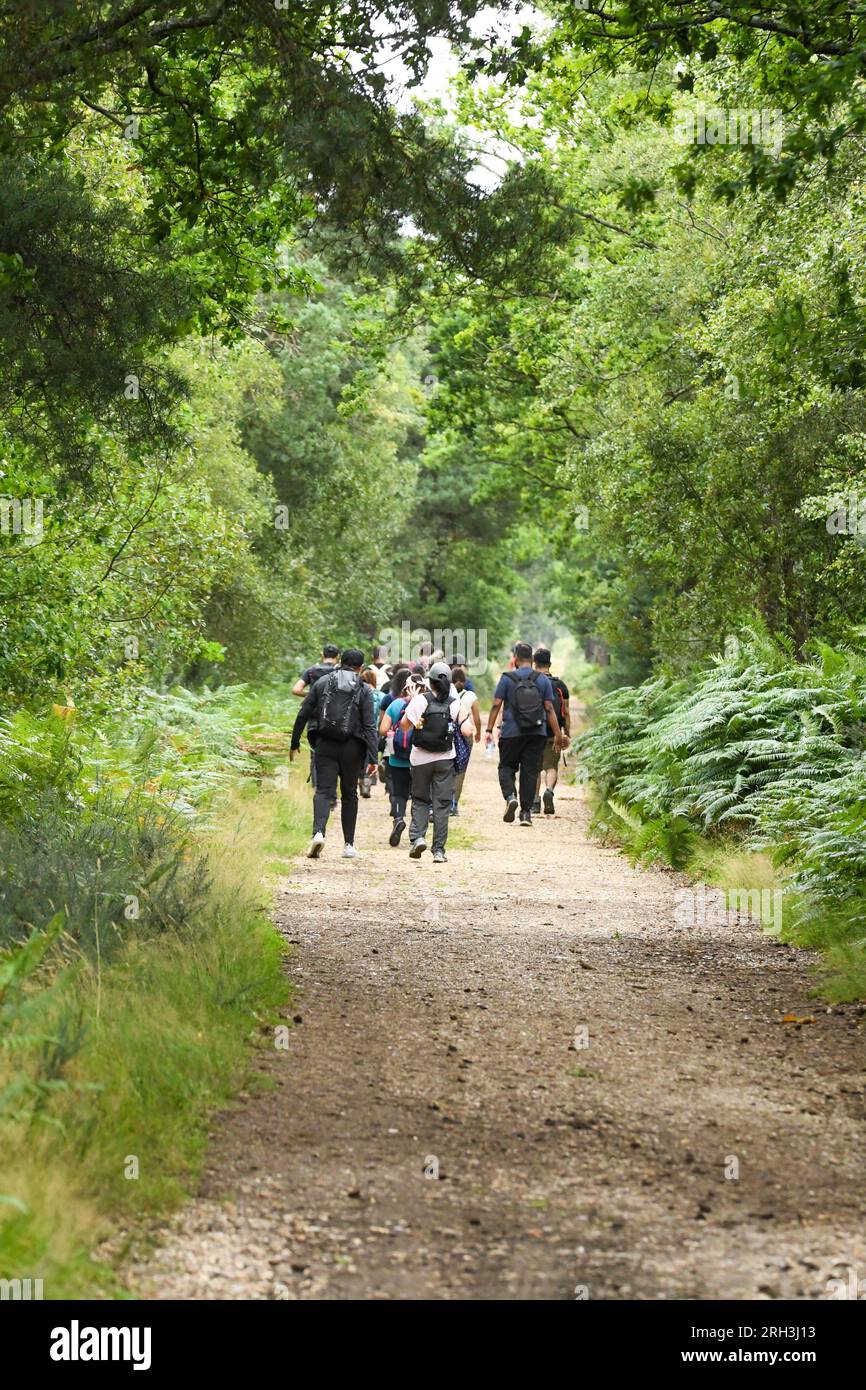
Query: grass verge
[128,1056]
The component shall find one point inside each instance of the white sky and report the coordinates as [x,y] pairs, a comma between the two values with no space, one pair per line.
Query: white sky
[443,67]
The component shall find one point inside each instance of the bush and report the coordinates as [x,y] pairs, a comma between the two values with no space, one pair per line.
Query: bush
[122,1030]
[760,751]
[112,867]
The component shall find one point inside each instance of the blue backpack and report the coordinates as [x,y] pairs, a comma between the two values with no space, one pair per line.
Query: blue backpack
[402,737]
[462,749]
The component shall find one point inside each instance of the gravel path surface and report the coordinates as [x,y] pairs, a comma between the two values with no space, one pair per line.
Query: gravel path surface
[517,1076]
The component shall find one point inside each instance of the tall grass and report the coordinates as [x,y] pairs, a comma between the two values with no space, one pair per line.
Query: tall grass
[117,1043]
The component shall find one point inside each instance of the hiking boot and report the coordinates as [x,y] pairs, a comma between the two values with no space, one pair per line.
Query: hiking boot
[511,809]
[439,856]
[536,808]
[399,827]
[525,817]
[316,844]
[548,802]
[417,849]
[349,852]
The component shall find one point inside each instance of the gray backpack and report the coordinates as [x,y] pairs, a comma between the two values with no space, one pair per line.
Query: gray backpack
[342,695]
[528,705]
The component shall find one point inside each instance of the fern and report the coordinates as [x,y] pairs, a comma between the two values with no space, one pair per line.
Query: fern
[758,742]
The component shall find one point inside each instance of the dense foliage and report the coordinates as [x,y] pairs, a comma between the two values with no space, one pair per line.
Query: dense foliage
[760,750]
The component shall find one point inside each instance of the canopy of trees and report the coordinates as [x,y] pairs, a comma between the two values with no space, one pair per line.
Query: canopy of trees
[279,361]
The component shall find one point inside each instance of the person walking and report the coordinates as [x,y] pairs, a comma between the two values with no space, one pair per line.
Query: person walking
[328,663]
[368,780]
[552,752]
[463,746]
[346,745]
[307,678]
[398,743]
[386,700]
[525,697]
[460,660]
[379,664]
[432,716]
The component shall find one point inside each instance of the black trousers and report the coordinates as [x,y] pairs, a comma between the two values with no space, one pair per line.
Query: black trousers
[401,788]
[522,754]
[333,760]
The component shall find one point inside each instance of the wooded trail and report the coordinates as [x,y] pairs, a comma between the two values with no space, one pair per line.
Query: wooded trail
[445,1012]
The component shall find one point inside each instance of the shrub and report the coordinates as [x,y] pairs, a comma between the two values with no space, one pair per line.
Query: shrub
[760,750]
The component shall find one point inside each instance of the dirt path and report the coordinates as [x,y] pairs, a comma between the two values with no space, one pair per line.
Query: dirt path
[440,1009]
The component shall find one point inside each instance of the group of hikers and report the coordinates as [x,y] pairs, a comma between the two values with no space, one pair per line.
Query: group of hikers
[413,725]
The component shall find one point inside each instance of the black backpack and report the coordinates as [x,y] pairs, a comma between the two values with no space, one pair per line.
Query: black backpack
[315,673]
[436,734]
[560,690]
[340,697]
[529,708]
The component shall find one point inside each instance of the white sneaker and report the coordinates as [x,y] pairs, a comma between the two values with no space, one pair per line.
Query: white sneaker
[349,852]
[316,845]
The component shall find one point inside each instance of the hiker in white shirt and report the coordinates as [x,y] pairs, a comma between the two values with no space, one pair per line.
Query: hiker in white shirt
[432,714]
[469,710]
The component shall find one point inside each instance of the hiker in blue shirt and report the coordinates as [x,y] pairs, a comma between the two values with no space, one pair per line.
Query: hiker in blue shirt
[525,697]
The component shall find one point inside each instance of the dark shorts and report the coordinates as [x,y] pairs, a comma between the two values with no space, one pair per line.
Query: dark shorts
[550,758]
